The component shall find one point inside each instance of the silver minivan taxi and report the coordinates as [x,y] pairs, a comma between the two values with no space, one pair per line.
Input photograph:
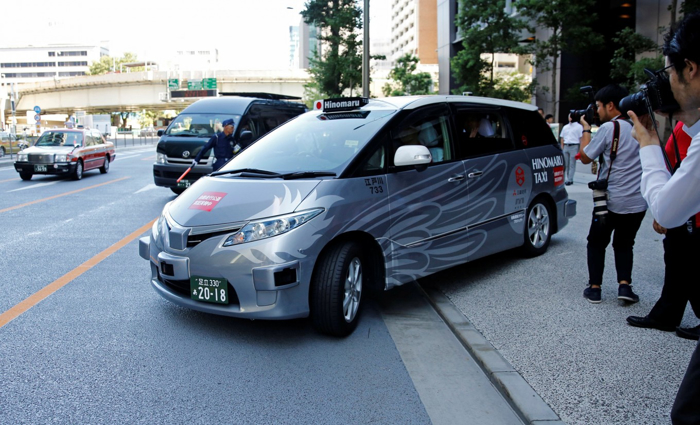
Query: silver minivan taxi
[356,196]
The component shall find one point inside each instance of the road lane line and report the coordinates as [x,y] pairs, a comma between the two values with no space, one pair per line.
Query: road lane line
[60,195]
[150,158]
[147,187]
[9,180]
[33,186]
[46,291]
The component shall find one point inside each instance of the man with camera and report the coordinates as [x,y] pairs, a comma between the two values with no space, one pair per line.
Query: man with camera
[619,207]
[674,198]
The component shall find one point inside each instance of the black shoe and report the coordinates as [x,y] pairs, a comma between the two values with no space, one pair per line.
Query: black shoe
[689,333]
[592,295]
[649,323]
[624,292]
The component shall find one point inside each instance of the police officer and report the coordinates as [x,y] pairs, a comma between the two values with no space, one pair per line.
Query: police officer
[223,145]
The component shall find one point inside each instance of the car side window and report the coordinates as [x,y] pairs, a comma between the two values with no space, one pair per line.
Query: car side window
[427,127]
[529,129]
[480,133]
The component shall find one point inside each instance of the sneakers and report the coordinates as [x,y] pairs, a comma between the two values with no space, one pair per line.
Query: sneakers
[624,292]
[689,333]
[592,295]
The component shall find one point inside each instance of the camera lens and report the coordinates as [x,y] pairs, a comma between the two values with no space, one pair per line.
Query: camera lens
[635,102]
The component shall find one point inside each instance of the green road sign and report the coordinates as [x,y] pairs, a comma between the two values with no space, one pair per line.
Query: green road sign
[174,84]
[209,83]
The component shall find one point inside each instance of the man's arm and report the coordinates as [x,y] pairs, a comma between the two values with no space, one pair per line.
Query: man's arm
[207,146]
[585,140]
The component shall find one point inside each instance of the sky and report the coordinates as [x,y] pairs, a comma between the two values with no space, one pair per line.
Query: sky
[249,34]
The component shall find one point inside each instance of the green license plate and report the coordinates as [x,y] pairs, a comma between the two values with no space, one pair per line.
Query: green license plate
[184,183]
[39,168]
[209,289]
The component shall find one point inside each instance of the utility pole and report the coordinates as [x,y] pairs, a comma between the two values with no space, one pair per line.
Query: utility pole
[365,52]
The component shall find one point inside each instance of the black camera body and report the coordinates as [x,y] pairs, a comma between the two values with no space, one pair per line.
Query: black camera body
[600,184]
[654,95]
[589,112]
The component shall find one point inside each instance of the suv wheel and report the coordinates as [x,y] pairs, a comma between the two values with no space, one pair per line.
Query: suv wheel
[538,229]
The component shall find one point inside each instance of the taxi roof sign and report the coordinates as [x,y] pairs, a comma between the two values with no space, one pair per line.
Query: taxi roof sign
[340,104]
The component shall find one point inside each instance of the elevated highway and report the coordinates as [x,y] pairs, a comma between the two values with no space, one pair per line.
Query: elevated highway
[135,91]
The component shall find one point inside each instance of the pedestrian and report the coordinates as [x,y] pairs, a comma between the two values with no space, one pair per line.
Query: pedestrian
[549,118]
[541,111]
[674,198]
[570,139]
[681,247]
[619,206]
[223,145]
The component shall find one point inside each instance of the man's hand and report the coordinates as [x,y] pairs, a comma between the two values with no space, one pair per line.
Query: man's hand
[194,162]
[643,131]
[584,123]
[659,228]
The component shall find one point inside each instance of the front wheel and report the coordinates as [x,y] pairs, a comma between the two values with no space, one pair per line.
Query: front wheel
[25,175]
[78,174]
[2,151]
[336,290]
[177,190]
[538,232]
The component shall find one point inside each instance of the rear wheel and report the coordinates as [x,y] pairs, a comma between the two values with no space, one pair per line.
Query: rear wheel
[105,168]
[25,175]
[538,232]
[2,151]
[336,290]
[78,174]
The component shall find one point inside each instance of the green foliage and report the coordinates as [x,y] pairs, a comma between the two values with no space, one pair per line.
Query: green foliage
[573,94]
[408,80]
[147,118]
[511,86]
[689,6]
[108,64]
[485,27]
[340,67]
[624,67]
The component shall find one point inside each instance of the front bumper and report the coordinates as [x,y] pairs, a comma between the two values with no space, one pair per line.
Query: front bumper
[57,168]
[257,289]
[166,175]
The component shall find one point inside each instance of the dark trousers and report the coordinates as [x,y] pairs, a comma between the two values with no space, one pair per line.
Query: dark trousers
[681,250]
[686,407]
[624,227]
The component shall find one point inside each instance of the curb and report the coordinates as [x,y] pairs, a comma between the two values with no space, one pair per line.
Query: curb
[514,388]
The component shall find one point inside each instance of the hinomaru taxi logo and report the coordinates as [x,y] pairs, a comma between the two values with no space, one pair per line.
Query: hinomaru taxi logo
[207,201]
[519,176]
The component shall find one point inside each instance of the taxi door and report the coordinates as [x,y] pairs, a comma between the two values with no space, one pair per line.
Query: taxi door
[427,226]
[499,179]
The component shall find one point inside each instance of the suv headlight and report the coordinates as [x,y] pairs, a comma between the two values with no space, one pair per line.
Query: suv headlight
[269,227]
[160,158]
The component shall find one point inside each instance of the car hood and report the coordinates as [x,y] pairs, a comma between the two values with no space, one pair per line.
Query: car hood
[48,149]
[220,200]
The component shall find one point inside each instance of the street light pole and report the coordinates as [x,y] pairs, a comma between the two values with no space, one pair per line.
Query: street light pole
[365,52]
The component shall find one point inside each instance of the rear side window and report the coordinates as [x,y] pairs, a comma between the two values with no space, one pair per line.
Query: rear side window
[480,133]
[530,130]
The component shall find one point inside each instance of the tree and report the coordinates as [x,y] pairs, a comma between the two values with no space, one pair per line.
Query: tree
[340,67]
[486,27]
[409,81]
[569,23]
[624,66]
[108,64]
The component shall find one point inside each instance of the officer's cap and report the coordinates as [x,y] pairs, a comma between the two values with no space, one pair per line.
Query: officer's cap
[227,122]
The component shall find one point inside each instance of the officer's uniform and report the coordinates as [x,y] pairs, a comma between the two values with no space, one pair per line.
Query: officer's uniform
[223,146]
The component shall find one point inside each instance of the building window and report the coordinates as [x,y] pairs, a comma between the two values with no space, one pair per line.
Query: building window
[76,63]
[52,54]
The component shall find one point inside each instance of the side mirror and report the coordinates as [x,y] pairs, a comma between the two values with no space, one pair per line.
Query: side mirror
[160,132]
[245,136]
[412,155]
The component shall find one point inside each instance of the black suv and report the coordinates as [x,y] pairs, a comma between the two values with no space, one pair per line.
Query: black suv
[187,134]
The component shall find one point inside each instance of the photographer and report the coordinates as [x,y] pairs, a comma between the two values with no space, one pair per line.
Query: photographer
[672,199]
[618,183]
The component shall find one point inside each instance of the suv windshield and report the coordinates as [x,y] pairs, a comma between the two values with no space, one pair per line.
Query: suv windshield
[312,142]
[60,138]
[199,125]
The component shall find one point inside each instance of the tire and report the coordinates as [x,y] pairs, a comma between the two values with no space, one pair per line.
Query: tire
[177,190]
[336,290]
[538,229]
[105,168]
[2,151]
[25,175]
[78,173]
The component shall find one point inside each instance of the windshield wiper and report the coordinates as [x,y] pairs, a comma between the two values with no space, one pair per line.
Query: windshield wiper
[306,174]
[248,172]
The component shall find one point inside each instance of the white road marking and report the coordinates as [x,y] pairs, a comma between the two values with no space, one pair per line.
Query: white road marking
[147,187]
[34,186]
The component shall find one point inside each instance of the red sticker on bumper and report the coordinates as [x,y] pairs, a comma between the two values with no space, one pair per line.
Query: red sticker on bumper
[207,201]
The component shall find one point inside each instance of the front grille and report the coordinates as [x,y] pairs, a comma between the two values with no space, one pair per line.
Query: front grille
[182,287]
[175,175]
[194,240]
[44,158]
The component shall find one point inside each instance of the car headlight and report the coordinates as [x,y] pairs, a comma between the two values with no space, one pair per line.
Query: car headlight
[161,225]
[160,158]
[62,158]
[22,157]
[269,227]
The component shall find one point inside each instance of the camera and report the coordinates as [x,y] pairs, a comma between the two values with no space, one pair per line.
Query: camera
[655,95]
[600,184]
[600,200]
[589,112]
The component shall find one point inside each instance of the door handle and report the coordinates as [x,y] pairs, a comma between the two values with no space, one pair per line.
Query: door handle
[456,178]
[474,174]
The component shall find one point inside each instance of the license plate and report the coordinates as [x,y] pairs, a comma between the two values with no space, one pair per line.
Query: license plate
[209,289]
[39,168]
[184,183]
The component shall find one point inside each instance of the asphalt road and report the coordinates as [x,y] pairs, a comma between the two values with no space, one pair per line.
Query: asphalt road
[85,339]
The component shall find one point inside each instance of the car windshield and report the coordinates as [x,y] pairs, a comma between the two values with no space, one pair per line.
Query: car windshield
[313,142]
[60,138]
[199,125]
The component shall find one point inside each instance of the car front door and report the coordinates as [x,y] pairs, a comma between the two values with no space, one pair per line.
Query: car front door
[427,230]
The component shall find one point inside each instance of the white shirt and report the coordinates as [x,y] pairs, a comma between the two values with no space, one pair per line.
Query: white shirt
[672,199]
[571,133]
